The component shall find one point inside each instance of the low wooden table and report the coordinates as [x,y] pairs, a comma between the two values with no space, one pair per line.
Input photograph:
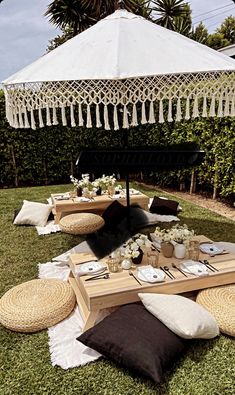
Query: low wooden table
[99,204]
[121,288]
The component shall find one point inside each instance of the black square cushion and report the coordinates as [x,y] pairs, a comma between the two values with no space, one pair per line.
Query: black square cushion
[163,206]
[134,338]
[114,214]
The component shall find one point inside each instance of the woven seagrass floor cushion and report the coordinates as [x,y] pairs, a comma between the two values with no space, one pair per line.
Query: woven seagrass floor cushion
[220,301]
[36,305]
[81,223]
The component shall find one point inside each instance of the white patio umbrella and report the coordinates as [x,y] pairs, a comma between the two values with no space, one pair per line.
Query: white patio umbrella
[127,63]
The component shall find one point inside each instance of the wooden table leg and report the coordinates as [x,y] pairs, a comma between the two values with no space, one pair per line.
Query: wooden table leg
[57,217]
[89,316]
[90,320]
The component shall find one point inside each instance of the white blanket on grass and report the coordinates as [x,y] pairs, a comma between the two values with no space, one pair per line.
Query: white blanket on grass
[50,227]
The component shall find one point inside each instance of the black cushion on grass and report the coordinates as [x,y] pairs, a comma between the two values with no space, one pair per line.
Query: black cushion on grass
[163,206]
[114,214]
[135,339]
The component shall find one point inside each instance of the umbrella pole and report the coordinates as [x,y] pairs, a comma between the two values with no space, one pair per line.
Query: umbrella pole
[125,143]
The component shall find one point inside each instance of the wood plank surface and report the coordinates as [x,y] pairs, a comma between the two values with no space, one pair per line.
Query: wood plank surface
[100,203]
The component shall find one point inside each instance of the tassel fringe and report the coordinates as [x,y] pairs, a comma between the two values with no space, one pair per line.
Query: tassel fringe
[106,118]
[54,117]
[64,120]
[97,113]
[33,125]
[26,120]
[220,107]
[115,118]
[169,116]
[72,119]
[161,116]
[223,105]
[204,110]
[178,111]
[143,114]
[187,111]
[151,113]
[195,108]
[212,107]
[88,121]
[134,121]
[80,117]
[41,123]
[125,118]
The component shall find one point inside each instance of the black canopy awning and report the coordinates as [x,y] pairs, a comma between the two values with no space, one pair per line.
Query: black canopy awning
[135,160]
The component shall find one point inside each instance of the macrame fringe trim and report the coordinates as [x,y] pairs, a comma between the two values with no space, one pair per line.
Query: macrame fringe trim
[124,111]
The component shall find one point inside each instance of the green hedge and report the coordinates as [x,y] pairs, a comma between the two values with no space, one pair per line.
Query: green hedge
[48,155]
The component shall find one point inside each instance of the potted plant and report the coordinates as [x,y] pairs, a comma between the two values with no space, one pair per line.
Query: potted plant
[134,248]
[81,184]
[165,239]
[173,240]
[180,235]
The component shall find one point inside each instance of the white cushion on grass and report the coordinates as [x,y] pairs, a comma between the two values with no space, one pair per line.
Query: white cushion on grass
[33,213]
[181,315]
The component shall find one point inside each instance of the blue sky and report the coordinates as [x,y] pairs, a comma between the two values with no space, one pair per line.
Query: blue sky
[24,31]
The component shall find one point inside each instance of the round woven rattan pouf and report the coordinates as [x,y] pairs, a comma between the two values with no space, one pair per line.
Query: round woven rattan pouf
[81,223]
[220,301]
[36,305]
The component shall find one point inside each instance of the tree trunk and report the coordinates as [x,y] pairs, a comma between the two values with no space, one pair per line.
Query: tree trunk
[193,183]
[71,166]
[16,181]
[215,188]
[182,186]
[45,171]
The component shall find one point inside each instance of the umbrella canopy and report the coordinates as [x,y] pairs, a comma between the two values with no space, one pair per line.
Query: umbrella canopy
[127,63]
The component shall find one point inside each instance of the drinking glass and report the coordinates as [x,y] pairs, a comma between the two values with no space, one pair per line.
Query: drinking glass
[113,264]
[193,250]
[153,258]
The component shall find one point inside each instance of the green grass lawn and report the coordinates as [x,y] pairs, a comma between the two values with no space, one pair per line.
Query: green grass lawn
[25,368]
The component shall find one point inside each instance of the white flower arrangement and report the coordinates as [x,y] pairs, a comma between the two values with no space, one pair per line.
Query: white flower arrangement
[131,248]
[84,182]
[119,188]
[177,233]
[104,182]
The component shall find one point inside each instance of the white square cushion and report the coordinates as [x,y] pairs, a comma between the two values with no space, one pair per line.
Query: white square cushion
[33,213]
[181,315]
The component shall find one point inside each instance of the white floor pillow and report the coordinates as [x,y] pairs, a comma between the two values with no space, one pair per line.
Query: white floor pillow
[33,213]
[181,315]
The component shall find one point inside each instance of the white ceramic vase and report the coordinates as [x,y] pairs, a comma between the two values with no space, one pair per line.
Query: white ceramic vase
[179,251]
[126,264]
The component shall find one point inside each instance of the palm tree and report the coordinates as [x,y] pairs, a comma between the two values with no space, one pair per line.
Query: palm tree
[73,13]
[168,11]
[81,14]
[101,8]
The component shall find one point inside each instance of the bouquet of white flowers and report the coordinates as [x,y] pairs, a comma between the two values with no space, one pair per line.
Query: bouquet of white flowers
[84,182]
[177,233]
[180,234]
[131,249]
[104,182]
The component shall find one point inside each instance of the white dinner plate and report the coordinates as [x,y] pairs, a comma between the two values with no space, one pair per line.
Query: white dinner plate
[89,267]
[150,275]
[194,267]
[210,249]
